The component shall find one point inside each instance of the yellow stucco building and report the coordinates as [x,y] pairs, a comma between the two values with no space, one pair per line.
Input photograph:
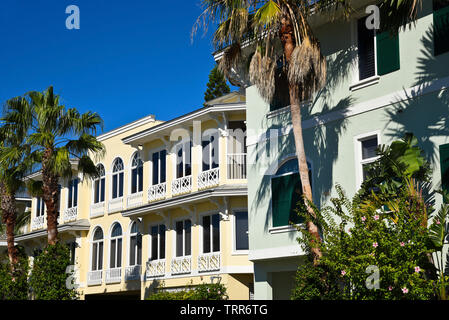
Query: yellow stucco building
[169,210]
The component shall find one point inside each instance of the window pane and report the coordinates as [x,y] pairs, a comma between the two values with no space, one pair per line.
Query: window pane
[100,256]
[206,234]
[113,252]
[179,234]
[163,154]
[241,231]
[188,238]
[140,179]
[119,253]
[97,191]
[154,243]
[134,180]
[162,241]
[215,152]
[121,184]
[69,202]
[38,207]
[206,159]
[102,189]
[216,232]
[155,161]
[139,249]
[188,157]
[75,193]
[180,163]
[94,256]
[369,148]
[132,251]
[114,186]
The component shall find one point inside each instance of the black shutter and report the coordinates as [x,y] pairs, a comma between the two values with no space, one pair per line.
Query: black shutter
[365,40]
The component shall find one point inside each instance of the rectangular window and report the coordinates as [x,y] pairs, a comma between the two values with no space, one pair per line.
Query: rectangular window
[211,233]
[444,165]
[72,200]
[368,147]
[378,52]
[40,207]
[241,231]
[441,26]
[135,255]
[99,190]
[157,242]
[159,166]
[184,160]
[210,152]
[137,179]
[183,238]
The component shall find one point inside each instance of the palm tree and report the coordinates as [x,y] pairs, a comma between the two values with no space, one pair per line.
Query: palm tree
[56,135]
[15,164]
[268,23]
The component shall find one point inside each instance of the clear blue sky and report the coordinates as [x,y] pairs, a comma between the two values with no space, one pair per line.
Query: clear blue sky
[129,59]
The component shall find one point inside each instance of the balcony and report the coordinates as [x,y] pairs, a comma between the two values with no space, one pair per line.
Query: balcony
[157,192]
[181,265]
[236,165]
[132,273]
[94,277]
[70,214]
[155,268]
[209,179]
[134,200]
[209,262]
[114,275]
[97,209]
[181,186]
[37,223]
[115,205]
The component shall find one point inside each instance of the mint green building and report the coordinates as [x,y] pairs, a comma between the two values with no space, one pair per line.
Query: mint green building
[379,87]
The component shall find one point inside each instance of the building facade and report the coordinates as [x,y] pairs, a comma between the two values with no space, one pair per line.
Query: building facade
[379,87]
[168,211]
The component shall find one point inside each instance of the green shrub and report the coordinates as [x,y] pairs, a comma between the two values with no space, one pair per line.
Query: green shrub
[17,289]
[48,279]
[215,291]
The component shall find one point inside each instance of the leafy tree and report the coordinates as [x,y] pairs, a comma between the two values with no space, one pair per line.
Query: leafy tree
[14,285]
[56,135]
[217,86]
[49,279]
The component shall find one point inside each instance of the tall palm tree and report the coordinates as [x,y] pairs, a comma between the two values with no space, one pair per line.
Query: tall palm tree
[56,135]
[266,24]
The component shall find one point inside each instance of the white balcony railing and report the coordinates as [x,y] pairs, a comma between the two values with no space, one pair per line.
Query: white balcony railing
[209,262]
[38,223]
[181,265]
[115,205]
[134,200]
[132,273]
[155,268]
[236,166]
[70,214]
[157,192]
[97,209]
[209,178]
[94,277]
[114,275]
[181,185]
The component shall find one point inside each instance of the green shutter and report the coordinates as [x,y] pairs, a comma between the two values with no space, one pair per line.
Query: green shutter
[387,53]
[441,31]
[284,199]
[444,164]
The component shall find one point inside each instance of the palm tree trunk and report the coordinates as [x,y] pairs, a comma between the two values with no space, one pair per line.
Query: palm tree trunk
[8,205]
[50,196]
[288,42]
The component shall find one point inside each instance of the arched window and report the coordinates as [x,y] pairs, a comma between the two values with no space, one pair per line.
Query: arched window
[136,173]
[99,184]
[116,247]
[135,245]
[117,178]
[286,192]
[97,250]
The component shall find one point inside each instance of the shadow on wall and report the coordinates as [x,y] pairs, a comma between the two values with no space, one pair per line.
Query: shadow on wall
[321,141]
[425,110]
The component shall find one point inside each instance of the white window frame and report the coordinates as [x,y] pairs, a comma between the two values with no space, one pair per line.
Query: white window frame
[118,175]
[175,159]
[236,252]
[92,242]
[111,238]
[132,234]
[71,205]
[131,174]
[158,150]
[150,242]
[99,182]
[200,216]
[183,237]
[42,207]
[358,154]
